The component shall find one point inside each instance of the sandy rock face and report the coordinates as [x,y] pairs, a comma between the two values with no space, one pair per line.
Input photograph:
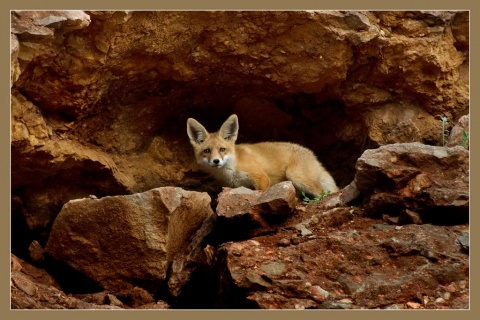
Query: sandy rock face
[113,90]
[126,241]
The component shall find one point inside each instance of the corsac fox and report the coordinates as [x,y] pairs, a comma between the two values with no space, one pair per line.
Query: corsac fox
[257,166]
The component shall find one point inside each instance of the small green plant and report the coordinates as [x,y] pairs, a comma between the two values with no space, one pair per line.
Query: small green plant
[317,198]
[444,121]
[464,139]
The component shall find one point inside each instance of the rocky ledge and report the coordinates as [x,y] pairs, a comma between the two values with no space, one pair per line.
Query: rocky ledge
[166,248]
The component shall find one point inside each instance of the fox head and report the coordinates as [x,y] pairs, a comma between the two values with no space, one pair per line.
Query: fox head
[213,150]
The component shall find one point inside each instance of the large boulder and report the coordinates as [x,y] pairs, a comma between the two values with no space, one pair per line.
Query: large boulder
[131,241]
[434,181]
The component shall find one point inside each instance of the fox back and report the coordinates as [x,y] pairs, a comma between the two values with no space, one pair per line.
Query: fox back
[259,165]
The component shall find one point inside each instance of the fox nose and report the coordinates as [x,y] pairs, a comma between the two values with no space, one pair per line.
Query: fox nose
[216,161]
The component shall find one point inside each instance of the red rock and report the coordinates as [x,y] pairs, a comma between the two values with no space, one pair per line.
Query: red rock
[363,268]
[279,199]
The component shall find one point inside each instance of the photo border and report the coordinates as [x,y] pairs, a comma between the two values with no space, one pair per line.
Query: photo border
[188,5]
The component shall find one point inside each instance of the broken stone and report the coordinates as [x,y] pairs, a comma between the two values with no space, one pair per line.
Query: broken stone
[413,305]
[329,202]
[296,240]
[245,213]
[236,202]
[279,199]
[318,294]
[349,194]
[36,252]
[284,243]
[35,24]
[408,216]
[458,132]
[329,218]
[303,230]
[464,241]
[236,215]
[390,220]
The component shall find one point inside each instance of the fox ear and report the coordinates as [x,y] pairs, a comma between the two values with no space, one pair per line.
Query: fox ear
[229,129]
[196,132]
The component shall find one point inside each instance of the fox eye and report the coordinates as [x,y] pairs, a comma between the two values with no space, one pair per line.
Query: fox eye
[222,149]
[206,151]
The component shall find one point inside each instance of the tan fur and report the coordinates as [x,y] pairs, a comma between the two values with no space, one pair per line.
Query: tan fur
[258,165]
